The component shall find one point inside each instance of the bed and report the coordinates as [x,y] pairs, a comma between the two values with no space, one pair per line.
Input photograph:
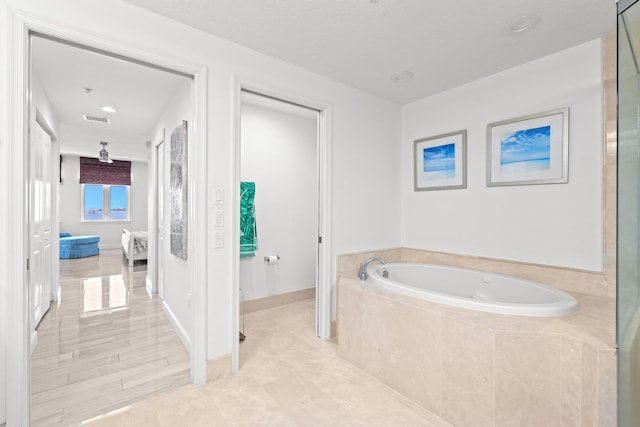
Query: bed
[135,245]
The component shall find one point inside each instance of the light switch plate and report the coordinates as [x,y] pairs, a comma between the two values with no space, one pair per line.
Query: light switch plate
[219,196]
[219,240]
[219,218]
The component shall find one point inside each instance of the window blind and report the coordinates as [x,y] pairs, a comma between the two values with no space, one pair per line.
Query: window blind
[93,171]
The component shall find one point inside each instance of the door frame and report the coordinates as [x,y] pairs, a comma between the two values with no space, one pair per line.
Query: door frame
[153,271]
[324,267]
[18,361]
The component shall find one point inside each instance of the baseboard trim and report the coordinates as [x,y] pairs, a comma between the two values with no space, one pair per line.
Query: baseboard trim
[109,246]
[182,334]
[277,300]
[219,367]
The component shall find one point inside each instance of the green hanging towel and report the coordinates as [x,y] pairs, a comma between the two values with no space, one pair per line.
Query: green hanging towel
[248,232]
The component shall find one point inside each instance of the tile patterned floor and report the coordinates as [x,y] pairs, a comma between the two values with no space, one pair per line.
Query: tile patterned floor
[105,346]
[287,377]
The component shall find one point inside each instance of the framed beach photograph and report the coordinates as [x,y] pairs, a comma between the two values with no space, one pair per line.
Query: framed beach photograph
[529,150]
[440,162]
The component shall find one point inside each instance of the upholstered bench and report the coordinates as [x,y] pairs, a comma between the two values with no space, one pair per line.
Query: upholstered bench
[78,246]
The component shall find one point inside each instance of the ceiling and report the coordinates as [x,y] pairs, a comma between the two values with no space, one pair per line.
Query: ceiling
[362,43]
[139,93]
[80,81]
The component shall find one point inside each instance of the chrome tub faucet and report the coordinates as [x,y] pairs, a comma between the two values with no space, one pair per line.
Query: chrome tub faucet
[362,273]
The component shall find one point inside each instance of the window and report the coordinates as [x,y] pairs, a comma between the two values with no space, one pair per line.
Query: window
[105,202]
[118,202]
[105,189]
[92,203]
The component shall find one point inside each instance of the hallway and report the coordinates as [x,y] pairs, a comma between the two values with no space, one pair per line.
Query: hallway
[106,346]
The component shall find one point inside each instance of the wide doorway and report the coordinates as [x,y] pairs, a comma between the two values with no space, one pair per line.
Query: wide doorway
[101,335]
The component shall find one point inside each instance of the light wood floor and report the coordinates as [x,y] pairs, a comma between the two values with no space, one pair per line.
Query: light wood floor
[106,345]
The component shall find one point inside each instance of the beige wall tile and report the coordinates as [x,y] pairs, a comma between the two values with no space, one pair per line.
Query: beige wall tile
[538,365]
[401,346]
[414,353]
[571,382]
[468,373]
[607,389]
[570,280]
[535,380]
[589,383]
[347,265]
[350,324]
[375,341]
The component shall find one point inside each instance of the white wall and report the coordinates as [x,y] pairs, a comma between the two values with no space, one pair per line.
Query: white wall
[4,223]
[110,232]
[176,290]
[41,102]
[559,224]
[365,130]
[279,155]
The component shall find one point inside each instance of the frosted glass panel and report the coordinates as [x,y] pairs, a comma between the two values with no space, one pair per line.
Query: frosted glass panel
[628,269]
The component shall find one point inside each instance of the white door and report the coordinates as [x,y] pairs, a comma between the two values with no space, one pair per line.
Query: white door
[40,250]
[160,210]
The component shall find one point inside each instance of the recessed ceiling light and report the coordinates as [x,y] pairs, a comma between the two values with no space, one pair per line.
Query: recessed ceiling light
[108,109]
[402,77]
[524,23]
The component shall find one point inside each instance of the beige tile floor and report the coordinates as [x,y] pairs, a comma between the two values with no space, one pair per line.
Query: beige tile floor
[105,346]
[287,377]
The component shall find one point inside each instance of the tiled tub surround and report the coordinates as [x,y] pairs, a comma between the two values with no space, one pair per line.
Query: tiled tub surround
[480,369]
[568,279]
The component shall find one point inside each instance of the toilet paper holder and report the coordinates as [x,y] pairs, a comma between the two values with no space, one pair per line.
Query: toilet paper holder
[269,259]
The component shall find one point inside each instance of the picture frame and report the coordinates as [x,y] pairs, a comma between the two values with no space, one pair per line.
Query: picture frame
[178,191]
[440,162]
[529,150]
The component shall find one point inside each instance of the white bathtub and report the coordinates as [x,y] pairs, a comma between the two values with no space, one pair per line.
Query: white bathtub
[473,289]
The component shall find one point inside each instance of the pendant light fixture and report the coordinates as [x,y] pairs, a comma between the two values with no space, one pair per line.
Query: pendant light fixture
[104,154]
